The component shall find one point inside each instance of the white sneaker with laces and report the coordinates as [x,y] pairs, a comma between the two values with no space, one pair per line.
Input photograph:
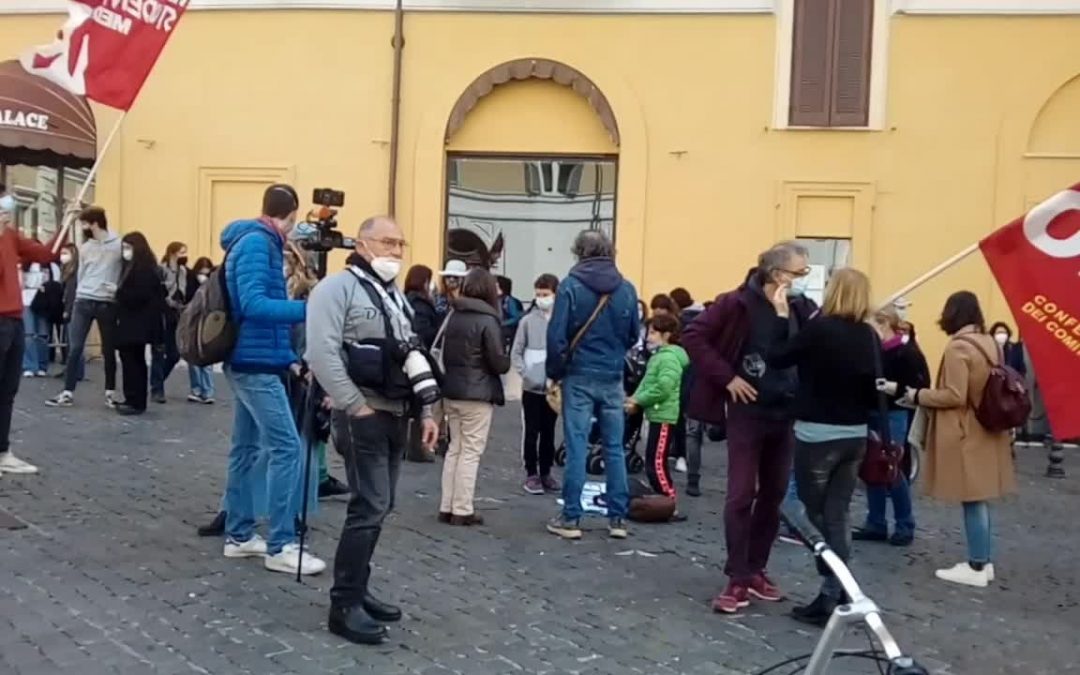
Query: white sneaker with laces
[110,398]
[12,464]
[64,399]
[252,548]
[964,573]
[680,465]
[289,559]
[28,373]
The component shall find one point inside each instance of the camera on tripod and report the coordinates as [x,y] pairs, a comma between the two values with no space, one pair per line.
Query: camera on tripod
[324,235]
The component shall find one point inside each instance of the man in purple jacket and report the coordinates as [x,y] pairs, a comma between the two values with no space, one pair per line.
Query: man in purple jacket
[728,345]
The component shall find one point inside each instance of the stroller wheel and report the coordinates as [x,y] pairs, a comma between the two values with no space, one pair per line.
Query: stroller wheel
[594,463]
[560,455]
[635,463]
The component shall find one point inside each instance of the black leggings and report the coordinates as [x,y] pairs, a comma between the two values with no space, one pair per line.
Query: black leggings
[135,374]
[538,434]
[657,451]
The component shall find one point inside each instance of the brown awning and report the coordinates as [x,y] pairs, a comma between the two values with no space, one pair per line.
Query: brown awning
[43,124]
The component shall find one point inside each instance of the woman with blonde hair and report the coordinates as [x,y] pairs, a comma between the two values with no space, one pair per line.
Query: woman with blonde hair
[835,354]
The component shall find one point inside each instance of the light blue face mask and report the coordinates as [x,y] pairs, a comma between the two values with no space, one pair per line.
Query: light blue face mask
[303,230]
[798,286]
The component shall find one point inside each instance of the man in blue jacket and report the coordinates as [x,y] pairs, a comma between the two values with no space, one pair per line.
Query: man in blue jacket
[263,423]
[591,374]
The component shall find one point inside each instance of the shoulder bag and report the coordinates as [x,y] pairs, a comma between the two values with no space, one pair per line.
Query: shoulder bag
[1005,403]
[554,390]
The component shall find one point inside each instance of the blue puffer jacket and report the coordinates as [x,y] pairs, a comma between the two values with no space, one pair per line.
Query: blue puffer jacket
[601,351]
[257,297]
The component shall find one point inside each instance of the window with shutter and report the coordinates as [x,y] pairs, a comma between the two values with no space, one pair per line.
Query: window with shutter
[830,63]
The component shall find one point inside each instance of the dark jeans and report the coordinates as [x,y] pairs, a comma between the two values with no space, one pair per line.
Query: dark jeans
[12,344]
[759,462]
[825,474]
[900,493]
[133,360]
[82,315]
[657,451]
[538,435]
[165,357]
[693,438]
[372,448]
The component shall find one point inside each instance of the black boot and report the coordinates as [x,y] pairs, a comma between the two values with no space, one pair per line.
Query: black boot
[381,611]
[356,625]
[693,486]
[817,613]
[215,528]
[332,487]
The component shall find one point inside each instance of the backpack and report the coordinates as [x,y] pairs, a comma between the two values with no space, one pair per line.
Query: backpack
[205,332]
[1005,402]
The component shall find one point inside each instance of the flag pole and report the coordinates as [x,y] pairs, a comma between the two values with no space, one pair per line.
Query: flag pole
[931,274]
[69,216]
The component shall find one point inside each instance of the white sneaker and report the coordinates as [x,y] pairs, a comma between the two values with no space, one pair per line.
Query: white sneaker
[680,465]
[989,571]
[110,398]
[12,464]
[252,548]
[42,373]
[289,558]
[64,399]
[28,373]
[963,573]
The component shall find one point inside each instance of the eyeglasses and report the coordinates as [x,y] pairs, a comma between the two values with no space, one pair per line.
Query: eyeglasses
[797,273]
[390,243]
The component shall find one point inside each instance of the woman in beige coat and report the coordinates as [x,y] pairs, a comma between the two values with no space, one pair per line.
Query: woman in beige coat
[964,461]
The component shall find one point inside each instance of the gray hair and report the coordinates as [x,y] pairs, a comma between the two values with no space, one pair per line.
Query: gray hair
[592,244]
[779,257]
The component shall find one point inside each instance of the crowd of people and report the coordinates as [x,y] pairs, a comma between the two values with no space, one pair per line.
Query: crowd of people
[798,391]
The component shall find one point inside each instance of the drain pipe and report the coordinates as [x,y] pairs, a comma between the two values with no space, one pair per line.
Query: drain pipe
[395,107]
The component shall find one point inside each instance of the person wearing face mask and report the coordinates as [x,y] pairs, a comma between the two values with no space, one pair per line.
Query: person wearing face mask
[15,250]
[528,355]
[201,377]
[1014,351]
[95,302]
[140,300]
[358,306]
[174,277]
[728,346]
[263,423]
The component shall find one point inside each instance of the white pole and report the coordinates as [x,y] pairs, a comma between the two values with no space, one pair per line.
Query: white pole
[931,274]
[69,216]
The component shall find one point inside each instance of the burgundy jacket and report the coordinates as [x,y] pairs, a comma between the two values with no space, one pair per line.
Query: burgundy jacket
[715,340]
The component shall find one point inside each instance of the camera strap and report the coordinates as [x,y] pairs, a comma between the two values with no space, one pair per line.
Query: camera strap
[395,309]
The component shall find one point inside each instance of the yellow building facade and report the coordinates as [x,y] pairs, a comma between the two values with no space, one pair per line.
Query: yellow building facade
[972,114]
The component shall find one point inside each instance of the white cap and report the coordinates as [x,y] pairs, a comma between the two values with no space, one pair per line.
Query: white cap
[454,268]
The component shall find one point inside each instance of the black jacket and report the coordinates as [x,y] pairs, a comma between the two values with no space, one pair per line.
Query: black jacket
[474,356]
[835,359]
[426,320]
[905,365]
[140,303]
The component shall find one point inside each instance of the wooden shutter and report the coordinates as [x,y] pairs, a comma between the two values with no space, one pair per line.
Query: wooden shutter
[850,95]
[811,63]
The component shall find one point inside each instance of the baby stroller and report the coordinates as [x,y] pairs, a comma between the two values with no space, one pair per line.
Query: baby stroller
[633,371]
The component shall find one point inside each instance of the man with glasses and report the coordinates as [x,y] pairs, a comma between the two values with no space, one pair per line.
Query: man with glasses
[728,345]
[358,306]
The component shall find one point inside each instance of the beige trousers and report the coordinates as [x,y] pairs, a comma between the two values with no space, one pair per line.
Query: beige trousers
[470,422]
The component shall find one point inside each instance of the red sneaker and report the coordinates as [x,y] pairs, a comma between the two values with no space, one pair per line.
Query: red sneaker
[731,599]
[763,588]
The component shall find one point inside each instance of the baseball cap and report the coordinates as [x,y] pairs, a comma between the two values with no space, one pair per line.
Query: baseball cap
[454,268]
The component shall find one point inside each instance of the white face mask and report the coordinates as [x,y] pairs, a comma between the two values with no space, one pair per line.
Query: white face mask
[1001,338]
[545,302]
[127,253]
[65,258]
[386,267]
[202,278]
[901,312]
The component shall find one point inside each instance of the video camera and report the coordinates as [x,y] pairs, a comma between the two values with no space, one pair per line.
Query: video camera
[325,235]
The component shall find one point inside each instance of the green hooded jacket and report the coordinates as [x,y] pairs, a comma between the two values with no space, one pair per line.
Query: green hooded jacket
[661,388]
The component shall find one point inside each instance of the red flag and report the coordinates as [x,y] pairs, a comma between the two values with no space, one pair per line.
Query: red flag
[1036,260]
[106,48]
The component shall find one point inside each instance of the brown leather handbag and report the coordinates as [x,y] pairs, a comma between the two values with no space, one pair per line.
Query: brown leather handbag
[881,464]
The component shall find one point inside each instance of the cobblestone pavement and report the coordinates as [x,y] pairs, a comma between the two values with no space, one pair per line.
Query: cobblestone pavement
[109,577]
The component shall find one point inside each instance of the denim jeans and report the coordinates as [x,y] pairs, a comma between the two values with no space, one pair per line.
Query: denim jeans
[583,398]
[84,313]
[36,355]
[165,358]
[899,493]
[263,423]
[979,531]
[202,380]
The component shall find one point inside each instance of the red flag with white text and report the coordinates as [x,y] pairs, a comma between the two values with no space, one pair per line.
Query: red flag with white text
[1036,260]
[106,48]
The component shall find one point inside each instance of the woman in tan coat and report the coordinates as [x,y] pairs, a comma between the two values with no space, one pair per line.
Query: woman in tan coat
[964,461]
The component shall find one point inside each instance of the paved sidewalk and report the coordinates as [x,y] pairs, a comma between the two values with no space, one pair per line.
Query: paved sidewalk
[109,577]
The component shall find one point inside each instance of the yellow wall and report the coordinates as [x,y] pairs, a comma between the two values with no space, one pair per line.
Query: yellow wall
[240,98]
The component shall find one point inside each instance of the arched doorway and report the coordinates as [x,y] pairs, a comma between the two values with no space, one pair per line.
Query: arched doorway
[531,159]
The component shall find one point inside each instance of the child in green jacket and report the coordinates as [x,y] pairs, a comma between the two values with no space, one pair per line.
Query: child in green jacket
[658,395]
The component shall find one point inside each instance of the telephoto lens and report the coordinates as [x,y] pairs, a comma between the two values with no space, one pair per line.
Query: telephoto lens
[421,379]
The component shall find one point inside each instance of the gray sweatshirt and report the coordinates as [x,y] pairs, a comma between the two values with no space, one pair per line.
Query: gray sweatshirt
[529,352]
[341,310]
[99,269]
